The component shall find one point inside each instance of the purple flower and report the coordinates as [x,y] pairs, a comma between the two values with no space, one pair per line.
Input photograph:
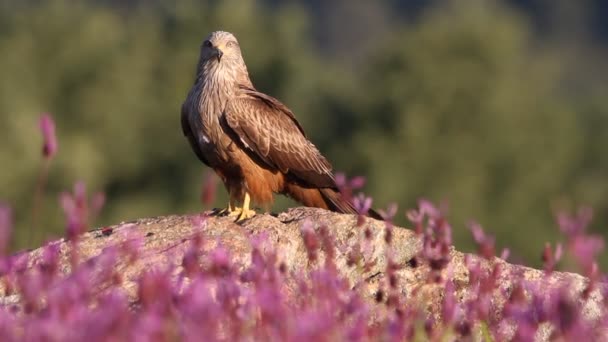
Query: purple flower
[49,263]
[155,289]
[220,262]
[131,244]
[574,225]
[204,296]
[97,202]
[47,126]
[311,241]
[353,184]
[436,237]
[390,212]
[362,203]
[78,211]
[341,180]
[75,210]
[504,255]
[586,249]
[426,210]
[209,188]
[550,259]
[347,187]
[485,243]
[6,227]
[449,304]
[357,182]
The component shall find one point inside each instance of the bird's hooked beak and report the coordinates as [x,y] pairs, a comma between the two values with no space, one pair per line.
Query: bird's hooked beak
[217,53]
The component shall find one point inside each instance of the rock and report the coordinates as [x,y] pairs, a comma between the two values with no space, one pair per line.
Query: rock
[165,240]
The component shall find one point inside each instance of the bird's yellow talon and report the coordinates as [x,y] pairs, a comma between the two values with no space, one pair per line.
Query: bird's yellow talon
[220,212]
[236,211]
[231,210]
[245,214]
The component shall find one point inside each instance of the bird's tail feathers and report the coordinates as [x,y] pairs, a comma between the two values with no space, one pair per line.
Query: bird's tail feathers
[326,198]
[336,202]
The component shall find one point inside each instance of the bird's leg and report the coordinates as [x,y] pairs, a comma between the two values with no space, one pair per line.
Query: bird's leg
[229,210]
[232,209]
[245,212]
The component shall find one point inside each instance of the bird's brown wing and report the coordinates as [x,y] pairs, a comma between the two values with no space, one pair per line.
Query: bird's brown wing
[269,129]
[192,137]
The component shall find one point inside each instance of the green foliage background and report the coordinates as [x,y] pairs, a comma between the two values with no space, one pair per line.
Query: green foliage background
[466,101]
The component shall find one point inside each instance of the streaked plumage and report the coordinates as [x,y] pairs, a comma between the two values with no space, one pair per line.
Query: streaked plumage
[251,140]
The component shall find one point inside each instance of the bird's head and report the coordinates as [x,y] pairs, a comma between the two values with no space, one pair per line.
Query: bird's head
[220,47]
[221,59]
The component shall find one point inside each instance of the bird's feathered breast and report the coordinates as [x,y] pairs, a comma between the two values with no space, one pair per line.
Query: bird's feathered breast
[200,117]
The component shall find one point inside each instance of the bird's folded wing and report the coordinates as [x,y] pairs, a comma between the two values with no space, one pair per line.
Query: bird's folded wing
[192,137]
[269,129]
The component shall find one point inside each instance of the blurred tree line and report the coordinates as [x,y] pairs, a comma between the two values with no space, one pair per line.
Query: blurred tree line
[498,107]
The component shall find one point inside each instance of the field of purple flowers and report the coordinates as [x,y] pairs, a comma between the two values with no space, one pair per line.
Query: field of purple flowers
[210,299]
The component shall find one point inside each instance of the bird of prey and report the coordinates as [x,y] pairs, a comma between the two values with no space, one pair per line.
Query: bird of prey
[251,140]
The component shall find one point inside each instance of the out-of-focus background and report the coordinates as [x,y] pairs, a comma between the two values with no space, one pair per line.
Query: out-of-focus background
[499,108]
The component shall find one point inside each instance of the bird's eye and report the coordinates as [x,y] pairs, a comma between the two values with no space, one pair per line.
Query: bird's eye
[231,43]
[207,43]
